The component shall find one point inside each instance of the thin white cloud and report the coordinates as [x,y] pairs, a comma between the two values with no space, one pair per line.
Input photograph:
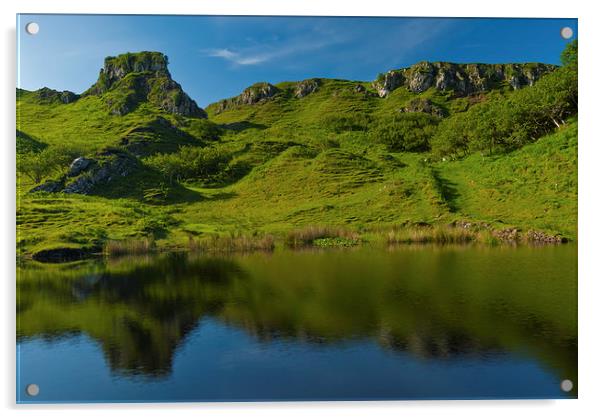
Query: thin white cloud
[261,53]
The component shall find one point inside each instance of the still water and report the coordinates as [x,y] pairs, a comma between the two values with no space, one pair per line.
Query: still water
[408,323]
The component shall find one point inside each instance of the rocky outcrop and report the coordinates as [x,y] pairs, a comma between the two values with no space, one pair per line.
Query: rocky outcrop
[48,96]
[117,68]
[78,165]
[130,79]
[85,174]
[306,87]
[257,93]
[420,105]
[462,79]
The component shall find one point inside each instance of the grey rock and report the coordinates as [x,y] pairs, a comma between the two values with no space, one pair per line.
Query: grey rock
[423,106]
[87,173]
[388,82]
[462,79]
[78,165]
[113,165]
[306,87]
[257,93]
[51,186]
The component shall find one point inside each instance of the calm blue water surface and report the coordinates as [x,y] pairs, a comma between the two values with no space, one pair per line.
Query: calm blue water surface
[413,323]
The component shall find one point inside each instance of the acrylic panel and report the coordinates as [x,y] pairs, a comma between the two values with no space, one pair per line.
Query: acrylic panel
[255,208]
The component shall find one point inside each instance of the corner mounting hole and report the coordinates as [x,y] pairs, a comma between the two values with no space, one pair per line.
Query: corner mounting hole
[32,389]
[566,32]
[566,385]
[32,28]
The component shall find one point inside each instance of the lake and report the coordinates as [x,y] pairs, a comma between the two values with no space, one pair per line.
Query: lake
[414,322]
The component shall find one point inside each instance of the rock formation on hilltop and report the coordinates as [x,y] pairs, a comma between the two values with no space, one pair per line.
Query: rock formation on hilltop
[129,79]
[462,79]
[256,93]
[48,96]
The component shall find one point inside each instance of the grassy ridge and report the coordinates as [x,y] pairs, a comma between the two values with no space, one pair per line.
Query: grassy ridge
[281,165]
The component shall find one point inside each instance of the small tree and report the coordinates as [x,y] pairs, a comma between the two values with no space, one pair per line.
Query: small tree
[35,165]
[568,57]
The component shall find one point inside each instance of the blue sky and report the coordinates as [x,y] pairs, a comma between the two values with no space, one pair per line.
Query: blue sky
[217,57]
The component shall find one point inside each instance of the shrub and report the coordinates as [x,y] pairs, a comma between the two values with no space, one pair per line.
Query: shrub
[405,131]
[347,122]
[190,163]
[506,123]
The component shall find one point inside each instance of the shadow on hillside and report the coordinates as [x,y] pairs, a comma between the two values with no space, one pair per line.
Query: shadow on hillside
[447,190]
[242,126]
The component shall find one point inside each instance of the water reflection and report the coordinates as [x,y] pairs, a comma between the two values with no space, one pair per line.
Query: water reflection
[432,303]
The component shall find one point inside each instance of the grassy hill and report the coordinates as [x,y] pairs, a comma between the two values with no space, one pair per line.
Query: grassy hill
[322,155]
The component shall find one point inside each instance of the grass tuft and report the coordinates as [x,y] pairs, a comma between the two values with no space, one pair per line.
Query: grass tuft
[130,247]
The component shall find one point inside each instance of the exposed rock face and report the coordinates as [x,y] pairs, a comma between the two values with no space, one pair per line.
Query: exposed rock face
[78,165]
[388,82]
[463,79]
[306,87]
[114,164]
[423,106]
[142,77]
[116,68]
[257,93]
[86,173]
[47,96]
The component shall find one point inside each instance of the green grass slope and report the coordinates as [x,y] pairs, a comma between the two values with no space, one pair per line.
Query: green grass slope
[284,163]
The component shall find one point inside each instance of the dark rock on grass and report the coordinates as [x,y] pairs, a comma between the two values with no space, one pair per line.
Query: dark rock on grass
[64,255]
[78,165]
[51,186]
[87,173]
[114,164]
[420,105]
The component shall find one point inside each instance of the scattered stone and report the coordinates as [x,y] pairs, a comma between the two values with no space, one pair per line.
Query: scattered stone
[542,237]
[507,234]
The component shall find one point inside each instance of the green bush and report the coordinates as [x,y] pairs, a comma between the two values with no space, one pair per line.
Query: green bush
[190,163]
[506,123]
[405,131]
[41,164]
[347,122]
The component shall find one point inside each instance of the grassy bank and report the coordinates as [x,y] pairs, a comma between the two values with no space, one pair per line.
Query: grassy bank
[356,193]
